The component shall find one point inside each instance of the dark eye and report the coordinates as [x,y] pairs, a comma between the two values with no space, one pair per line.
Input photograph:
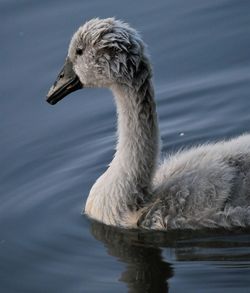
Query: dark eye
[79,51]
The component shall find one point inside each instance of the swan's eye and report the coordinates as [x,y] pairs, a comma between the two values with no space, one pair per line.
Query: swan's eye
[79,51]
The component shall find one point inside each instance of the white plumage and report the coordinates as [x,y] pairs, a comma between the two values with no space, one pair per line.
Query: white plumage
[206,186]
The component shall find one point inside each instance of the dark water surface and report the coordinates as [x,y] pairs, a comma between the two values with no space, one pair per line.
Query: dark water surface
[51,156]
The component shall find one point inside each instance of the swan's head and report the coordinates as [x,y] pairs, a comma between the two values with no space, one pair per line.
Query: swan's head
[102,52]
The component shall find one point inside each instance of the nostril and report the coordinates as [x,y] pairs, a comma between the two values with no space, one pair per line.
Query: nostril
[61,75]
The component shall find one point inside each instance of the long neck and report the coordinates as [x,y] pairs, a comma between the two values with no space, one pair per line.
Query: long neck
[137,147]
[125,187]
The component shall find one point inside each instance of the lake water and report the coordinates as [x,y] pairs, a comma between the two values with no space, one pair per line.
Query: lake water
[51,156]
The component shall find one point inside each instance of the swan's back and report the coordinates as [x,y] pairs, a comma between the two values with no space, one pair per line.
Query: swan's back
[206,186]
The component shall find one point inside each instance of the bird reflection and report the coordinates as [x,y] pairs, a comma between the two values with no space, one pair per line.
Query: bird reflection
[145,269]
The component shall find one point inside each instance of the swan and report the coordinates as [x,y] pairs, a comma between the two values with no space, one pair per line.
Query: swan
[207,186]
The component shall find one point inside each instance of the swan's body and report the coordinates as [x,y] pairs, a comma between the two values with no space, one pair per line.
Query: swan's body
[207,186]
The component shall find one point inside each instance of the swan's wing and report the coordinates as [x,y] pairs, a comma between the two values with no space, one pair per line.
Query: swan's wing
[207,186]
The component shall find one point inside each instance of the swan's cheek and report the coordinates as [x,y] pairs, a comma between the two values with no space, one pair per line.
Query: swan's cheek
[82,72]
[91,76]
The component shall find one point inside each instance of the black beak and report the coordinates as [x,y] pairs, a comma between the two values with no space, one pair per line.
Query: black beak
[66,83]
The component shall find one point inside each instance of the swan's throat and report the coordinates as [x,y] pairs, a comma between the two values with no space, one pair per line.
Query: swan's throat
[126,186]
[137,145]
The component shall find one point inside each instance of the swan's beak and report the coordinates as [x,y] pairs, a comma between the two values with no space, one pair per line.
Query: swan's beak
[66,83]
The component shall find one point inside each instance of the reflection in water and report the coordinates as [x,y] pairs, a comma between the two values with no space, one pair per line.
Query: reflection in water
[145,268]
[223,249]
[146,271]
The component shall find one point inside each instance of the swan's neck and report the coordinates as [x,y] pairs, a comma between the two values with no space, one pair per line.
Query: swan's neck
[137,146]
[126,186]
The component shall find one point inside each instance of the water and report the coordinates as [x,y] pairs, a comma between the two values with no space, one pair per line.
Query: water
[51,156]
